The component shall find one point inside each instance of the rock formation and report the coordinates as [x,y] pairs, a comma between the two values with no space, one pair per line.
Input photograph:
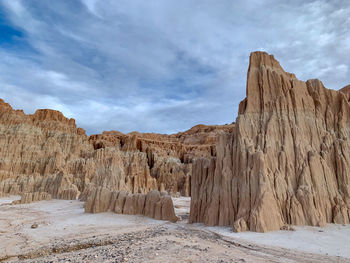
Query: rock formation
[46,153]
[40,153]
[169,157]
[27,198]
[287,160]
[284,162]
[153,204]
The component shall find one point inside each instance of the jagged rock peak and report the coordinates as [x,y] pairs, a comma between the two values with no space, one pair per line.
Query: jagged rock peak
[266,81]
[4,105]
[51,115]
[259,59]
[287,160]
[55,120]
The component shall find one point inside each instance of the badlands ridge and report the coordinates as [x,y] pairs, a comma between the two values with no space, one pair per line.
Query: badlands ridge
[284,162]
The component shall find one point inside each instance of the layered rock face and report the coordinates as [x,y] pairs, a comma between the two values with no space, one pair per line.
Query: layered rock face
[287,160]
[40,153]
[47,153]
[153,204]
[169,157]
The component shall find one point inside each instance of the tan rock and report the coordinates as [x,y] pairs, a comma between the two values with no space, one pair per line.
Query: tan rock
[346,91]
[46,152]
[285,163]
[152,205]
[27,198]
[169,157]
[152,198]
[240,225]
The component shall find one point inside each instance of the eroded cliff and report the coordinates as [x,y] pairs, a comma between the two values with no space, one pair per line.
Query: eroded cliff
[46,153]
[287,160]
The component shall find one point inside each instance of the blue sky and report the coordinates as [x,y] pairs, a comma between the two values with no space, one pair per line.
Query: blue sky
[160,66]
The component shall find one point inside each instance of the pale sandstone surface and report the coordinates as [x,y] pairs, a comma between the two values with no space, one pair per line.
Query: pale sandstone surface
[46,152]
[66,233]
[287,160]
[169,157]
[153,204]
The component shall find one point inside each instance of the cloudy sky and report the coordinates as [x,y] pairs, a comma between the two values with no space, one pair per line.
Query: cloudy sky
[160,65]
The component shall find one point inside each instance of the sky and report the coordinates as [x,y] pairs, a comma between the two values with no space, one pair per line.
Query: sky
[160,65]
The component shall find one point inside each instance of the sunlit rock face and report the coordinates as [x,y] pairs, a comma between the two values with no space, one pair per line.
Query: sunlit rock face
[287,160]
[153,204]
[168,157]
[45,153]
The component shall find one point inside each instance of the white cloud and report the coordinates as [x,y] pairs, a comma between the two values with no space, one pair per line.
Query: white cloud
[15,7]
[163,66]
[91,6]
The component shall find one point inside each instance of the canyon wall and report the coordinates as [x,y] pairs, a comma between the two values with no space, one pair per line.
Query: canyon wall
[41,153]
[169,157]
[287,160]
[45,153]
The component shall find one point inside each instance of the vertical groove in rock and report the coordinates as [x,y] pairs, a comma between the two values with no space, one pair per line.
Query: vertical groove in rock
[46,152]
[290,156]
[153,204]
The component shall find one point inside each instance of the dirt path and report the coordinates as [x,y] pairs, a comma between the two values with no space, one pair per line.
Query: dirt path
[165,243]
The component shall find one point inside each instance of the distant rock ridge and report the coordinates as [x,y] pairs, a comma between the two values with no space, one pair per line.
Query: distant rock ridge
[46,154]
[287,160]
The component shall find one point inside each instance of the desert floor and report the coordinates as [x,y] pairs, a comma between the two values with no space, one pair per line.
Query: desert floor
[66,234]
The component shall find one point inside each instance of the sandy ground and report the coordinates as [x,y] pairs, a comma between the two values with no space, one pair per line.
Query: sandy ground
[66,234]
[331,240]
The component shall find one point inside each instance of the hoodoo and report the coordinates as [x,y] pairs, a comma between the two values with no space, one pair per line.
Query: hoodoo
[286,162]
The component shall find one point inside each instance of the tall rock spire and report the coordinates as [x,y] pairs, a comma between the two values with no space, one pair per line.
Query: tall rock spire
[289,156]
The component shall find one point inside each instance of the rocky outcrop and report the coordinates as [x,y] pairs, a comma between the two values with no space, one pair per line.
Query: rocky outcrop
[46,153]
[153,204]
[169,157]
[287,160]
[40,153]
[27,198]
